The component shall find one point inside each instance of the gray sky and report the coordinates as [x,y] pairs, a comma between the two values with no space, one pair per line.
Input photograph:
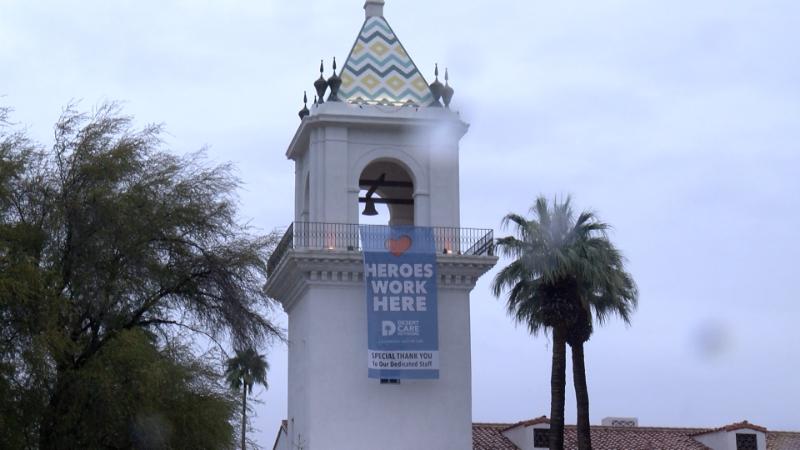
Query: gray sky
[678,121]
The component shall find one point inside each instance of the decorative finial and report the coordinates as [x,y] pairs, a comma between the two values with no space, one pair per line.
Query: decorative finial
[374,8]
[436,89]
[334,82]
[447,92]
[304,112]
[321,85]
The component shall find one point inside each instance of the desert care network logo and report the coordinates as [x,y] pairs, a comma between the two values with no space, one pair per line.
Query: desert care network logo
[400,279]
[400,328]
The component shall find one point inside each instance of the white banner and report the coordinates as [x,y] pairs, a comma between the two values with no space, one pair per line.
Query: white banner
[405,360]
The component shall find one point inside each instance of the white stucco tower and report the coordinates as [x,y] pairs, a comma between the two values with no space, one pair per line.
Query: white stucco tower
[383,128]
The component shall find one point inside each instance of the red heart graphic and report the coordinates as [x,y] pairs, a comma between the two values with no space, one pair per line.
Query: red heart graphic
[398,246]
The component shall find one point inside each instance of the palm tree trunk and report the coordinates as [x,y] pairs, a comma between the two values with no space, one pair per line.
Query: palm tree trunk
[582,397]
[244,415]
[558,380]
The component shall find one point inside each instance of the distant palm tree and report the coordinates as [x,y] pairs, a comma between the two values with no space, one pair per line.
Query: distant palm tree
[242,372]
[558,264]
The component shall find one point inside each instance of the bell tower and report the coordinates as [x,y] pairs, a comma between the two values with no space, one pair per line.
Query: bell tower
[378,134]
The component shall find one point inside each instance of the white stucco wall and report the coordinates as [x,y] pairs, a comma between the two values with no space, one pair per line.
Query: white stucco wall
[334,405]
[282,441]
[298,405]
[726,440]
[522,436]
[338,141]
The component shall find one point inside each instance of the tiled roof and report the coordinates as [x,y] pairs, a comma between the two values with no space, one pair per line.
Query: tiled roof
[636,438]
[527,423]
[743,425]
[379,69]
[783,440]
[489,436]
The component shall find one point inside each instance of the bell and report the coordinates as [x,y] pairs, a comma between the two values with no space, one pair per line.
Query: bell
[369,208]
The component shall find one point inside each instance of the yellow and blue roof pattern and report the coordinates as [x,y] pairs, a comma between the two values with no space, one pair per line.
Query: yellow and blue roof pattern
[379,69]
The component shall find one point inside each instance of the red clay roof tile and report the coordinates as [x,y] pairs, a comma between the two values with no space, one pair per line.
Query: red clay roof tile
[783,440]
[743,425]
[489,436]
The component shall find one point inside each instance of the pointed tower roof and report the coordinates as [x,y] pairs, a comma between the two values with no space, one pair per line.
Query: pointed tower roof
[379,69]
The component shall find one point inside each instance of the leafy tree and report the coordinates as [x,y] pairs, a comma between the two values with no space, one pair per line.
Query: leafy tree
[107,233]
[562,269]
[243,371]
[133,395]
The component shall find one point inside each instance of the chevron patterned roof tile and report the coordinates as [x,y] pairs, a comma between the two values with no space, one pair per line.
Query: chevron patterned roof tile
[379,69]
[394,59]
[378,35]
[384,73]
[385,93]
[371,25]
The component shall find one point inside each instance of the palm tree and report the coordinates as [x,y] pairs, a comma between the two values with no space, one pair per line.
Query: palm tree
[609,291]
[559,262]
[242,372]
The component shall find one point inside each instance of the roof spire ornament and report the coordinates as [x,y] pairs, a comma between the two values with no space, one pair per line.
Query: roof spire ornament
[447,92]
[321,85]
[334,82]
[374,8]
[304,112]
[436,89]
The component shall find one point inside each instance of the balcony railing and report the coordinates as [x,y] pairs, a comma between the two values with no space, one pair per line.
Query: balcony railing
[346,236]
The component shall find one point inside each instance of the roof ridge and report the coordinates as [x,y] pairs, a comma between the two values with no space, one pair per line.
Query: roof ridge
[529,422]
[736,426]
[640,427]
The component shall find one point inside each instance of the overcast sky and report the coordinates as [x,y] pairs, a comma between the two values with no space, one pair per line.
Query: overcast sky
[678,121]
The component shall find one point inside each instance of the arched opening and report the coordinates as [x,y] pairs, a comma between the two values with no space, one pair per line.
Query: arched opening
[386,194]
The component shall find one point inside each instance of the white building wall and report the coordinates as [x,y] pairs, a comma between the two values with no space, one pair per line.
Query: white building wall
[344,409]
[282,441]
[715,441]
[335,155]
[298,404]
[333,405]
[519,436]
[726,440]
[522,436]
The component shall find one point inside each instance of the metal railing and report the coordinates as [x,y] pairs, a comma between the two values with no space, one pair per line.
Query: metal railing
[346,236]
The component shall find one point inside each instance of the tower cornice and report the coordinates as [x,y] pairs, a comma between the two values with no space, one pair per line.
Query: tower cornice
[375,117]
[300,269]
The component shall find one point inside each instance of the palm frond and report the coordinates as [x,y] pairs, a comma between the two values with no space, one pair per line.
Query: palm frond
[245,369]
[554,253]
